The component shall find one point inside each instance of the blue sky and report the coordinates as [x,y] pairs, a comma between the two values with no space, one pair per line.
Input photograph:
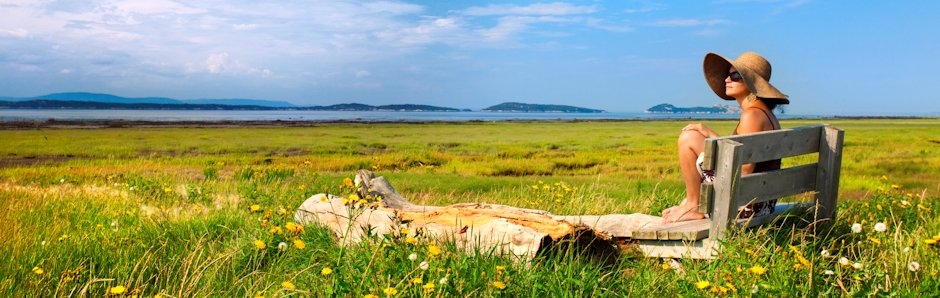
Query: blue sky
[831,57]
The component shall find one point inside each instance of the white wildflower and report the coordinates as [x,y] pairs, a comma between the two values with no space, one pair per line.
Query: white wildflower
[412,257]
[856,228]
[857,266]
[907,249]
[424,265]
[755,289]
[824,253]
[880,227]
[843,261]
[443,280]
[282,246]
[913,266]
[829,272]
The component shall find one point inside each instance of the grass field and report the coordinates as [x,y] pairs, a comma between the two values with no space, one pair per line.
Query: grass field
[181,212]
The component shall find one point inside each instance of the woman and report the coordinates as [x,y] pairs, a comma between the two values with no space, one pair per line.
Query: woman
[745,80]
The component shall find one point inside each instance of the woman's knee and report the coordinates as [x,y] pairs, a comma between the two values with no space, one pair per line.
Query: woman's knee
[690,138]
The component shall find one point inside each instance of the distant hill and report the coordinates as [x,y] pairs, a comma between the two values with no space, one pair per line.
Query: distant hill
[666,108]
[538,108]
[97,105]
[108,98]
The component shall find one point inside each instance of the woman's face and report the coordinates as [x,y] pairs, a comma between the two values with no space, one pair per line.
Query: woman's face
[734,84]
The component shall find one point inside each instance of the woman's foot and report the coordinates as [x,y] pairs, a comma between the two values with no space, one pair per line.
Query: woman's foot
[682,212]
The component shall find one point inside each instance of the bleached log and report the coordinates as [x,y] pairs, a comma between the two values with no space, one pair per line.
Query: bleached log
[472,227]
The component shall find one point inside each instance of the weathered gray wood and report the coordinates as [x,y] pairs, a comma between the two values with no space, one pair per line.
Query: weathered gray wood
[706,197]
[701,249]
[760,187]
[777,144]
[830,163]
[727,171]
[683,230]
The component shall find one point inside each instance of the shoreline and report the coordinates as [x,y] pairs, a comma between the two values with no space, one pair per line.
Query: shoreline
[121,123]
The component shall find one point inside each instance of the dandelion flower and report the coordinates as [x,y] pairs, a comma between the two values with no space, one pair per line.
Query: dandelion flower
[666,266]
[38,270]
[424,265]
[880,227]
[326,271]
[117,290]
[844,261]
[428,287]
[299,244]
[443,280]
[825,253]
[829,272]
[255,208]
[417,280]
[757,270]
[930,241]
[348,182]
[412,257]
[282,246]
[907,249]
[499,285]
[500,268]
[411,240]
[370,296]
[857,266]
[259,295]
[702,284]
[856,228]
[389,291]
[913,266]
[260,244]
[433,250]
[294,228]
[288,285]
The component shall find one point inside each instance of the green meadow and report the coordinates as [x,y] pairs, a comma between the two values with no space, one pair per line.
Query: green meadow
[208,211]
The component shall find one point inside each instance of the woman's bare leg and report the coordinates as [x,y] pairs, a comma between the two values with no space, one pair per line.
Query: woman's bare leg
[690,144]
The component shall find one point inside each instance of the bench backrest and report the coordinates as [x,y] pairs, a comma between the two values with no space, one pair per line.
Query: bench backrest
[725,155]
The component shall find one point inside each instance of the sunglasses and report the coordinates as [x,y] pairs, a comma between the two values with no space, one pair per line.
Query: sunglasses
[735,76]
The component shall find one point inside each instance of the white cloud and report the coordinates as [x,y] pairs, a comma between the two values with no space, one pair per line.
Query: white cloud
[689,22]
[216,62]
[556,8]
[18,32]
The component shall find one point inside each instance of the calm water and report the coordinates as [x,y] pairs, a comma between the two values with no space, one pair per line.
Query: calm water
[172,115]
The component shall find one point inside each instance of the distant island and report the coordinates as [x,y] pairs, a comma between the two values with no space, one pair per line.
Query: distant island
[98,101]
[666,108]
[537,108]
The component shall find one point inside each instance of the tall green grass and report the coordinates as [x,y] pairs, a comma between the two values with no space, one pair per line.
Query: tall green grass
[181,212]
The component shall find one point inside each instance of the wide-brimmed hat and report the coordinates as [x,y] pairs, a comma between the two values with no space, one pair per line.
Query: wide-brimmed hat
[754,69]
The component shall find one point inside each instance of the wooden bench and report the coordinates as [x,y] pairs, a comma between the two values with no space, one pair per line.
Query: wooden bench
[721,199]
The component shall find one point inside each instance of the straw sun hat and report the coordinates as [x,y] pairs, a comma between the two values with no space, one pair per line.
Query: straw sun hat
[754,69]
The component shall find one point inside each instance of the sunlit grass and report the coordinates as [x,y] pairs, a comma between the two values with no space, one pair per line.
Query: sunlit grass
[207,212]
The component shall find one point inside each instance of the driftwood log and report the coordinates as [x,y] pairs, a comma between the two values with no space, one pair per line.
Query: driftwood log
[472,227]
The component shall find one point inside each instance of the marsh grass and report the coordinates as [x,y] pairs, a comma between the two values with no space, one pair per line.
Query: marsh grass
[181,212]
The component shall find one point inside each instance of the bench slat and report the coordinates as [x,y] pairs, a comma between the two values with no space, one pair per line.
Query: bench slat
[766,186]
[770,145]
[683,230]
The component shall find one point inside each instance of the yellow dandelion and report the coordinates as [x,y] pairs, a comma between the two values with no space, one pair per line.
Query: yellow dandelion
[757,270]
[428,288]
[38,270]
[404,231]
[936,238]
[294,228]
[417,280]
[411,240]
[276,230]
[117,290]
[255,208]
[433,250]
[370,296]
[326,271]
[499,285]
[665,266]
[260,244]
[299,244]
[167,189]
[288,285]
[873,240]
[702,284]
[389,291]
[930,241]
[500,268]
[259,295]
[348,182]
